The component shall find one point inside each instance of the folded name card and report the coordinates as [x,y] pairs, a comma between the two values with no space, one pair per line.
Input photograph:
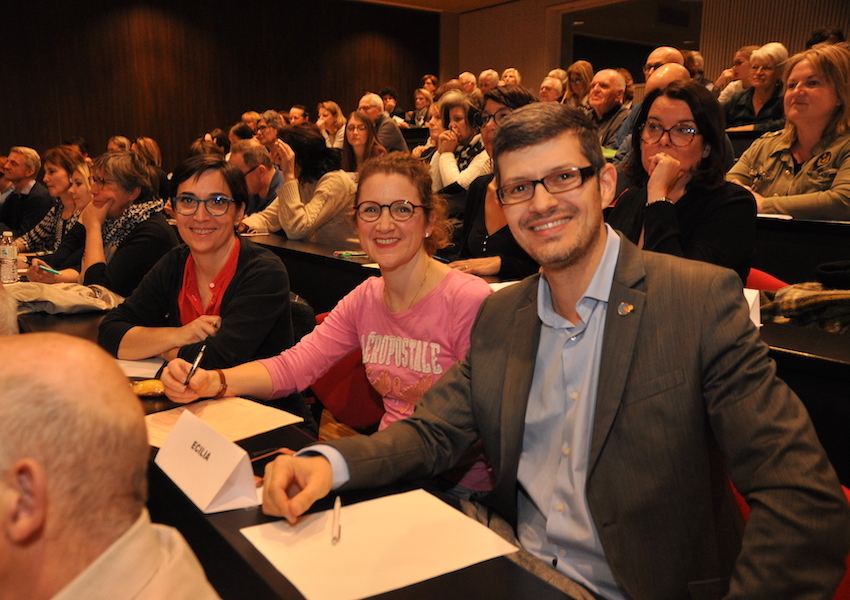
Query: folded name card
[752,297]
[212,471]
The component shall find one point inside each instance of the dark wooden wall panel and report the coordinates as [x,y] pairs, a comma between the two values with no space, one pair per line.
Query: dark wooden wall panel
[729,24]
[174,70]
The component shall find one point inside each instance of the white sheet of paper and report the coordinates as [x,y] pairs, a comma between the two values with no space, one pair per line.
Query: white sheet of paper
[501,285]
[234,418]
[752,297]
[213,472]
[776,216]
[385,544]
[141,369]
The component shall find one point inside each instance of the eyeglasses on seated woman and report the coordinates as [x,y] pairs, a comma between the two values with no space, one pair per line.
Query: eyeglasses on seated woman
[678,202]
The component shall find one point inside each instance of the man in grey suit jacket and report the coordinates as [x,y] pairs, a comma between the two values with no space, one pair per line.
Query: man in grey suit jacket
[616,394]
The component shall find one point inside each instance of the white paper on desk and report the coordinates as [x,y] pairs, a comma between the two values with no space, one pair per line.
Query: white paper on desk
[753,302]
[386,544]
[501,285]
[234,418]
[213,472]
[141,369]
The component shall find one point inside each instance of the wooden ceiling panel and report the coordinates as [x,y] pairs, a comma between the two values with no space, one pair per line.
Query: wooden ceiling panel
[452,6]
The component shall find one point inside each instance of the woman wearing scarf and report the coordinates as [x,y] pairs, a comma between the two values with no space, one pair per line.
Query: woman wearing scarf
[460,156]
[120,235]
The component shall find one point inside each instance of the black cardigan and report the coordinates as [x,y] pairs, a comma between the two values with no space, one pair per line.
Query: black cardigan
[475,243]
[255,313]
[716,226]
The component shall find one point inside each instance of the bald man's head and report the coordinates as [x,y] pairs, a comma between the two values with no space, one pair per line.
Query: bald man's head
[661,56]
[8,313]
[68,407]
[665,75]
[606,90]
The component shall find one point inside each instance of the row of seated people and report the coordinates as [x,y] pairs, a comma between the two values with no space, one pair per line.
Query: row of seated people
[787,170]
[220,290]
[296,183]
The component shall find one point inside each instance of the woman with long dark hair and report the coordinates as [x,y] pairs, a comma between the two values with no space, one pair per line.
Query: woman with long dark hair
[361,142]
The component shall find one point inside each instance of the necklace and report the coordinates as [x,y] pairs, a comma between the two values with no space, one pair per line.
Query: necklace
[421,285]
[419,291]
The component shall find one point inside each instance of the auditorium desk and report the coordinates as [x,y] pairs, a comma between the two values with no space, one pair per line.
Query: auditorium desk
[315,273]
[238,571]
[82,325]
[792,250]
[816,365]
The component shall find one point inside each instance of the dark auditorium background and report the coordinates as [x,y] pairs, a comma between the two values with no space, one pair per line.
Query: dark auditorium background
[173,70]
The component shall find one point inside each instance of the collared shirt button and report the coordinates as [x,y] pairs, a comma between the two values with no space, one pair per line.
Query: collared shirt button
[566,451]
[574,395]
[562,553]
[559,507]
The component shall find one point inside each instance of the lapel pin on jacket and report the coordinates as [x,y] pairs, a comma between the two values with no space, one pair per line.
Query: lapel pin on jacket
[625,308]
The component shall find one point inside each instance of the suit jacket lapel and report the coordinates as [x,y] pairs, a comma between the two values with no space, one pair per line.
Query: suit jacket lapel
[519,371]
[622,323]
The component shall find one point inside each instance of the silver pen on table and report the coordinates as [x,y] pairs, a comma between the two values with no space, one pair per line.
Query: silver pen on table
[336,527]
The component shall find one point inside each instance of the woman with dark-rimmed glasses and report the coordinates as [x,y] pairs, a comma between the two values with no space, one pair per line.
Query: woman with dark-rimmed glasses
[487,246]
[217,289]
[680,203]
[412,323]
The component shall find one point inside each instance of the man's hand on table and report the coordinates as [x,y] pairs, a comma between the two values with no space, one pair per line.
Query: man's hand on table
[293,484]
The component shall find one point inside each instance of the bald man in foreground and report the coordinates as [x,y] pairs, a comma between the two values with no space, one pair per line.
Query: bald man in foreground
[73,460]
[8,313]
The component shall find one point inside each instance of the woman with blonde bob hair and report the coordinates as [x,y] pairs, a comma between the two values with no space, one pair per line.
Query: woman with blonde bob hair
[331,123]
[804,170]
[412,323]
[511,76]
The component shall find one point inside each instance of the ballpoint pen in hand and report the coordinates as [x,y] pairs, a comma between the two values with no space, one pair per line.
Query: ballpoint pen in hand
[195,364]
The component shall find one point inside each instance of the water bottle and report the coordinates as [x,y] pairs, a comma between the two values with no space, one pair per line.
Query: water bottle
[8,259]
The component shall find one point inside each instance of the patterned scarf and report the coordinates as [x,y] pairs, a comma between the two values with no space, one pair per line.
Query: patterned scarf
[467,153]
[115,231]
